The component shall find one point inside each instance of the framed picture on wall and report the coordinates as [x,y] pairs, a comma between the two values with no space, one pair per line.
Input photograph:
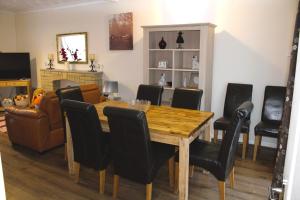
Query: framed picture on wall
[72,47]
[121,32]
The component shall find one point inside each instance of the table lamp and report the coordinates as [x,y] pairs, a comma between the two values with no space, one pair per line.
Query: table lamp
[110,89]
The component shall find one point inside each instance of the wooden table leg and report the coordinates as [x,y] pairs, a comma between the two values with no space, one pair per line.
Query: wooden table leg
[184,148]
[207,132]
[69,148]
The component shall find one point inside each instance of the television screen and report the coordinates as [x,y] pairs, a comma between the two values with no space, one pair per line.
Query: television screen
[14,65]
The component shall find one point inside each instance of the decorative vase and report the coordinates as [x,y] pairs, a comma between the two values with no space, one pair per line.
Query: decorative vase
[179,40]
[162,44]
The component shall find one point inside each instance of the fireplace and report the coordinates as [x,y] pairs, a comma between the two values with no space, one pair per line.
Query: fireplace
[54,79]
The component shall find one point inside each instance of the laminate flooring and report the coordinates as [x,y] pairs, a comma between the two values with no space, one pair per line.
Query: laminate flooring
[30,175]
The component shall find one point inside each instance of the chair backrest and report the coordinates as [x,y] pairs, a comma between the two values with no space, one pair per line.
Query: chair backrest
[72,93]
[187,98]
[230,142]
[273,104]
[236,94]
[151,93]
[88,138]
[131,145]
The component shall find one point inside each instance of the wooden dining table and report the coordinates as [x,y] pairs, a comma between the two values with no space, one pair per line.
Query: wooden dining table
[167,125]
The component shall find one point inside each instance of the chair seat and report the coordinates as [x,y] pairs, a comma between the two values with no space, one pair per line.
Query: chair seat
[205,155]
[267,129]
[224,123]
[161,154]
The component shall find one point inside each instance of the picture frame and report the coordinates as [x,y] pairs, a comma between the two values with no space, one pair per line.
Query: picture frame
[72,48]
[121,31]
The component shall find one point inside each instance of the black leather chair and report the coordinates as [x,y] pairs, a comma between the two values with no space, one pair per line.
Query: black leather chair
[187,98]
[236,94]
[152,93]
[271,115]
[135,157]
[219,159]
[72,93]
[91,145]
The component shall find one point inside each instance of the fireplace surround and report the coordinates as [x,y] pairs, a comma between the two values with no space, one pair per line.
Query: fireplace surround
[50,77]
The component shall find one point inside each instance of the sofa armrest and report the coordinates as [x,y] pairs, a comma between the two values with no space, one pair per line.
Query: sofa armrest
[26,112]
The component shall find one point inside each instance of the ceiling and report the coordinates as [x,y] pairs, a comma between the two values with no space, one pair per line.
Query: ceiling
[32,5]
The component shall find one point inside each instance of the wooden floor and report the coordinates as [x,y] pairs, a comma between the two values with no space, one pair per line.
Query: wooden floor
[31,176]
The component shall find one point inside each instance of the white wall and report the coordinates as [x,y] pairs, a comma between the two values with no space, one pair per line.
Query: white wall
[7,42]
[7,32]
[252,40]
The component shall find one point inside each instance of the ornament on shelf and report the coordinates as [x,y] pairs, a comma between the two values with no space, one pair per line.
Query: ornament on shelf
[162,80]
[162,44]
[50,61]
[195,62]
[92,66]
[179,40]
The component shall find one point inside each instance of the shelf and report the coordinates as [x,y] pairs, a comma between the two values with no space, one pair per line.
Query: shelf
[174,49]
[186,70]
[160,69]
[168,88]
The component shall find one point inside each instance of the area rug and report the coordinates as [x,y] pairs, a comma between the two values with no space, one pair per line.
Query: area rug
[2,125]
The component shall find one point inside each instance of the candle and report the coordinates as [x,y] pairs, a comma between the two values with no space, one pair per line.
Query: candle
[51,56]
[92,56]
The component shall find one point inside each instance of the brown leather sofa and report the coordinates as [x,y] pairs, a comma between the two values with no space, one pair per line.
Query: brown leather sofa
[42,129]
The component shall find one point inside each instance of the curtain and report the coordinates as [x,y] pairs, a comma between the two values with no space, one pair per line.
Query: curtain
[284,129]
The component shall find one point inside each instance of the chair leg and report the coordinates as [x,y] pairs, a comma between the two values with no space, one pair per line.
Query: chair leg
[191,171]
[149,191]
[222,190]
[101,181]
[176,177]
[76,171]
[171,171]
[66,152]
[215,136]
[223,134]
[116,186]
[245,143]
[256,144]
[232,178]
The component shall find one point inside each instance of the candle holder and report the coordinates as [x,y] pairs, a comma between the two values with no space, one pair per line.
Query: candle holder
[92,66]
[50,61]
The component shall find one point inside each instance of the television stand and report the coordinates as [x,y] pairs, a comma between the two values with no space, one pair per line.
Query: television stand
[17,83]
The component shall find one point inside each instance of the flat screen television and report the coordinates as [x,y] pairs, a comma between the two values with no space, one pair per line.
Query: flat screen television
[14,66]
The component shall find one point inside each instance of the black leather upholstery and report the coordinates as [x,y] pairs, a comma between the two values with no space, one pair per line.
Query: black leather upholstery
[187,98]
[219,159]
[151,93]
[272,111]
[236,94]
[135,157]
[91,146]
[72,93]
[223,124]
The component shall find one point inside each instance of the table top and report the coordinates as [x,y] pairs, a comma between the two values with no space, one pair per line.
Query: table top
[165,119]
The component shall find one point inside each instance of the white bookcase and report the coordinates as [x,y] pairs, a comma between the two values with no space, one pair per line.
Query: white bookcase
[198,41]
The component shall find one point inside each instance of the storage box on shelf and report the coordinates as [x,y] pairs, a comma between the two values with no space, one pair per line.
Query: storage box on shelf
[190,66]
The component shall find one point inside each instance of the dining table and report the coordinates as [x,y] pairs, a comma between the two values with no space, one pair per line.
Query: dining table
[169,125]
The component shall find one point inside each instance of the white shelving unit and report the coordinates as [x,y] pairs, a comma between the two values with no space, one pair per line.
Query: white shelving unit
[198,41]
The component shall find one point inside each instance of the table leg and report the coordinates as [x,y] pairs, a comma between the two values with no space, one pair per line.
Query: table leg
[69,148]
[207,132]
[184,147]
